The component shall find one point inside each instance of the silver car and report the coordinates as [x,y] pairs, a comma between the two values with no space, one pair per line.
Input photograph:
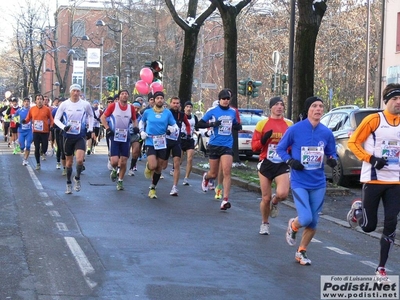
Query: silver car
[343,121]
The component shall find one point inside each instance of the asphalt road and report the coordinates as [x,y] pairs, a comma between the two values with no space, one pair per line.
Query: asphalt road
[101,243]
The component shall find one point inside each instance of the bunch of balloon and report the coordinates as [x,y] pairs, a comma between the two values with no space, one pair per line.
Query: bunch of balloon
[146,84]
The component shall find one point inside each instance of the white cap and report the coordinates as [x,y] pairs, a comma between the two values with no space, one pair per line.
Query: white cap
[74,86]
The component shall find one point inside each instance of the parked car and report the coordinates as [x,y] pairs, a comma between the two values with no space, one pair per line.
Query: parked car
[343,121]
[248,118]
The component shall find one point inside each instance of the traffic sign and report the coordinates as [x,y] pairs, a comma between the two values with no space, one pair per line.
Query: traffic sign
[210,86]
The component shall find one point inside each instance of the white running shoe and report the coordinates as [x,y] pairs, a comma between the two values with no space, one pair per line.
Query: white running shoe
[77,186]
[225,204]
[290,233]
[24,162]
[131,173]
[109,166]
[69,189]
[185,181]
[264,229]
[301,257]
[174,191]
[351,216]
[381,277]
[204,183]
[274,209]
[171,172]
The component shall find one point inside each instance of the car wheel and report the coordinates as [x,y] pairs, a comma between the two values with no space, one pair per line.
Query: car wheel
[337,173]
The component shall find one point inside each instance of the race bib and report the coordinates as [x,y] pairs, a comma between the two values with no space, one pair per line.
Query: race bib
[75,127]
[391,151]
[159,142]
[272,155]
[26,126]
[225,128]
[38,125]
[120,135]
[311,157]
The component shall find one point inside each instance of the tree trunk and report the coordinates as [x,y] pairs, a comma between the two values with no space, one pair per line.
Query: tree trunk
[306,37]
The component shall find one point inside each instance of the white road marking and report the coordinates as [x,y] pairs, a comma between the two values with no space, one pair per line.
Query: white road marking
[43,195]
[80,257]
[313,240]
[34,178]
[54,213]
[337,250]
[61,226]
[48,203]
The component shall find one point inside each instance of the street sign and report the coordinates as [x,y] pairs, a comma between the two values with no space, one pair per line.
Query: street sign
[210,86]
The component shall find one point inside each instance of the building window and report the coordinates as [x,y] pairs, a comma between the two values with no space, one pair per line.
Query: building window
[78,29]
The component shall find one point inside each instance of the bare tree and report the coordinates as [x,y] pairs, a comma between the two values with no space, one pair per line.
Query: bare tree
[191,26]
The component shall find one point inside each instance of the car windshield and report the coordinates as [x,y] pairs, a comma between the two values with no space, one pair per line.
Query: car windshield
[250,119]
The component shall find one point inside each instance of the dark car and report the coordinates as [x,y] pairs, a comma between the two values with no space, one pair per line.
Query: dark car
[343,121]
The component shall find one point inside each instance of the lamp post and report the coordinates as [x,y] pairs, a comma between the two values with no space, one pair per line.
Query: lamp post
[102,23]
[52,78]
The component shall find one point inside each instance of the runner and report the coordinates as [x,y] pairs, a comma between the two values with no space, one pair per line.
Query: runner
[71,117]
[266,136]
[97,112]
[376,142]
[153,130]
[121,115]
[25,136]
[309,141]
[135,140]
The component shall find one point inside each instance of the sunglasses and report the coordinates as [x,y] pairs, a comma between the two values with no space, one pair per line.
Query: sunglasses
[227,98]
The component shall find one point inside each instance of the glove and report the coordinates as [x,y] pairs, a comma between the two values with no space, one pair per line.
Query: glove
[295,164]
[378,162]
[188,136]
[143,135]
[237,127]
[109,131]
[67,128]
[183,135]
[331,162]
[215,124]
[24,121]
[266,136]
[168,132]
[135,130]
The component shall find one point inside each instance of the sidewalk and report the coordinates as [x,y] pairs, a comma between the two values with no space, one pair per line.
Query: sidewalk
[336,206]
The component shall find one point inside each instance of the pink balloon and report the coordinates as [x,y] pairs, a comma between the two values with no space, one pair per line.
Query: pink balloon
[146,75]
[156,87]
[142,87]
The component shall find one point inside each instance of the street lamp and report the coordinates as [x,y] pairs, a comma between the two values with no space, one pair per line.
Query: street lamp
[102,23]
[52,78]
[87,38]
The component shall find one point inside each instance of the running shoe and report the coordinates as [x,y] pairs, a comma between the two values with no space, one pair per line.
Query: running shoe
[171,172]
[185,181]
[274,209]
[174,191]
[301,257]
[109,166]
[204,183]
[15,151]
[64,172]
[37,166]
[58,166]
[131,173]
[88,152]
[161,176]
[120,185]
[290,233]
[69,189]
[218,193]
[77,186]
[135,168]
[211,185]
[113,175]
[152,194]
[24,162]
[43,156]
[381,276]
[351,215]
[264,229]
[225,204]
[147,172]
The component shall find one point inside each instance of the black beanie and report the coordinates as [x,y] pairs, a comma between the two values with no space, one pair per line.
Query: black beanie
[159,93]
[309,101]
[274,101]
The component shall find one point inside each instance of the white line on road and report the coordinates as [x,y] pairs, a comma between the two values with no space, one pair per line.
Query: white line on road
[48,203]
[54,213]
[61,226]
[34,178]
[43,195]
[337,250]
[80,257]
